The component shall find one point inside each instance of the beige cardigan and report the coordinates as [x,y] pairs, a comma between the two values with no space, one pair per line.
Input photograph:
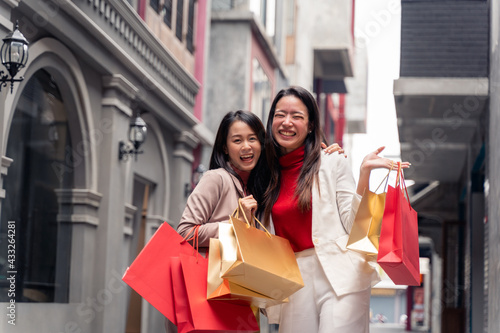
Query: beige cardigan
[212,201]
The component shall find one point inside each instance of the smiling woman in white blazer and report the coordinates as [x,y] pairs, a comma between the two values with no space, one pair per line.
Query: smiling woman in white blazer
[334,206]
[312,200]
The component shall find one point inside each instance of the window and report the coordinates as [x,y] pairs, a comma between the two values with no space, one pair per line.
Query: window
[167,13]
[290,33]
[38,138]
[290,19]
[155,4]
[133,3]
[179,17]
[265,10]
[190,28]
[261,94]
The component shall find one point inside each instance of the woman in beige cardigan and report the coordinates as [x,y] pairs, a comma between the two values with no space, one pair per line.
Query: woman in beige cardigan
[234,165]
[236,172]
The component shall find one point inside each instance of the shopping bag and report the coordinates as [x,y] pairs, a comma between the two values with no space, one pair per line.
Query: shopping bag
[398,253]
[194,313]
[261,262]
[149,274]
[365,232]
[219,289]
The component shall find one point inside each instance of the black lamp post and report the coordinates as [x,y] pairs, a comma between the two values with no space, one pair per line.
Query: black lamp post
[136,135]
[14,56]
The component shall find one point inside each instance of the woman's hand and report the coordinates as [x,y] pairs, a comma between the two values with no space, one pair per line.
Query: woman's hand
[373,161]
[249,206]
[332,148]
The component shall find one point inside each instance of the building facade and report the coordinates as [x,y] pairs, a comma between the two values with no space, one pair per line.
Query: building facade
[80,211]
[322,56]
[447,110]
[259,47]
[491,301]
[244,69]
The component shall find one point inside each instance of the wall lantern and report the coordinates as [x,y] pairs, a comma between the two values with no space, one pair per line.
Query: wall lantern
[195,179]
[136,136]
[14,56]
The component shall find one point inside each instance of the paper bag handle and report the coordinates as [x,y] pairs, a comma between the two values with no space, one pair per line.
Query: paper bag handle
[194,230]
[236,211]
[406,189]
[400,181]
[386,178]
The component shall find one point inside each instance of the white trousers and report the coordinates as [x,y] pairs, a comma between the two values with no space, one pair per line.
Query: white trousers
[316,307]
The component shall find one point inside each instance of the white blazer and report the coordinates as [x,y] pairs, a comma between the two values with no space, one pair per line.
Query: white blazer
[334,207]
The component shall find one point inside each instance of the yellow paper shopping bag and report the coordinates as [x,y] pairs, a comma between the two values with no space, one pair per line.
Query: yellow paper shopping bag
[261,262]
[365,232]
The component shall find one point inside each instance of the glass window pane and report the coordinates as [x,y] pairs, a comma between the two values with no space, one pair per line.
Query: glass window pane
[41,150]
[155,4]
[261,94]
[190,28]
[167,9]
[179,19]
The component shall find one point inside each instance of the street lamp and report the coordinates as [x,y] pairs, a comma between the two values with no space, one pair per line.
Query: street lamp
[14,56]
[136,135]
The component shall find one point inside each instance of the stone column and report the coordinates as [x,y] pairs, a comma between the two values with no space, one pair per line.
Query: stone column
[78,221]
[109,291]
[180,178]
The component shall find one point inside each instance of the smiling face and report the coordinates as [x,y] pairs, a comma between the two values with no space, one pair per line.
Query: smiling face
[242,146]
[290,123]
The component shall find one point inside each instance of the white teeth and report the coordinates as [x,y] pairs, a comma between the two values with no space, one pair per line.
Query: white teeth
[287,133]
[246,156]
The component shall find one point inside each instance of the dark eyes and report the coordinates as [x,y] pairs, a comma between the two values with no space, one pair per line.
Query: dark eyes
[294,116]
[253,139]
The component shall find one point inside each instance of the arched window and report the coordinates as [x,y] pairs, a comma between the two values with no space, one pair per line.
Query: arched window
[38,140]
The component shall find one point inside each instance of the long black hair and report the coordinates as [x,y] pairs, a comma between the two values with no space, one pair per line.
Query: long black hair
[258,180]
[312,153]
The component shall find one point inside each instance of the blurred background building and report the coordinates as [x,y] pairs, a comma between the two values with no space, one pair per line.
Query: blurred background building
[103,75]
[446,117]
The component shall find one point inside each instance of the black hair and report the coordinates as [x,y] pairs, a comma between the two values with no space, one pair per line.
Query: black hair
[258,180]
[312,153]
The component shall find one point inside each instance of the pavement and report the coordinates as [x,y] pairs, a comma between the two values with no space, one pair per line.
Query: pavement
[389,328]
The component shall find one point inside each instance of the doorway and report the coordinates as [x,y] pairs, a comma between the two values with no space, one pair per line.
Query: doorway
[141,194]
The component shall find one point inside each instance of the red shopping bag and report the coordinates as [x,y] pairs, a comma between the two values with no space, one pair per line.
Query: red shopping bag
[398,253]
[194,313]
[149,275]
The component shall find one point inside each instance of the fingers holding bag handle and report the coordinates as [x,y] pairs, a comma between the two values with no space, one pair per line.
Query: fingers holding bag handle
[398,176]
[248,206]
[386,178]
[241,203]
[400,181]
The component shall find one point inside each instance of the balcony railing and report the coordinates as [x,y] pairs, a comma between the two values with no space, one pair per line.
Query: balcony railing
[128,30]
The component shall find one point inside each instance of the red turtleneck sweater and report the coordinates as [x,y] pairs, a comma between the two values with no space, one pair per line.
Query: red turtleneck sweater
[289,222]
